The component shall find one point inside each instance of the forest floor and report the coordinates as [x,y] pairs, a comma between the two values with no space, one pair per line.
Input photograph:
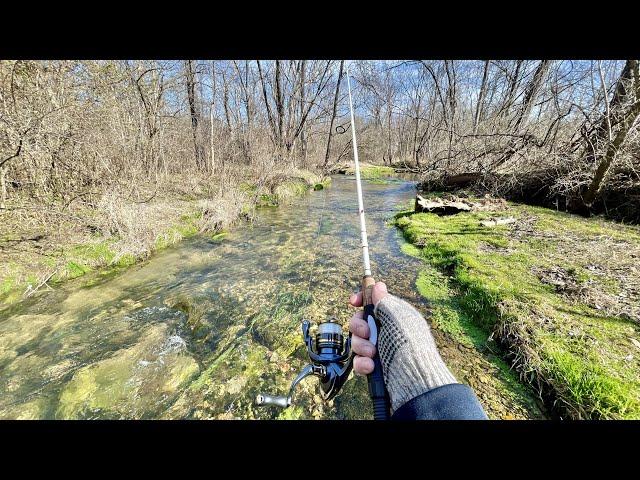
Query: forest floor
[41,245]
[559,294]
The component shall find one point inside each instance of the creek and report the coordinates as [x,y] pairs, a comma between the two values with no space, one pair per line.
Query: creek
[200,328]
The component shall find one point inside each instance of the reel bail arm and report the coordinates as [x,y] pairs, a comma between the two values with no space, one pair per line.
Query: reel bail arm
[331,361]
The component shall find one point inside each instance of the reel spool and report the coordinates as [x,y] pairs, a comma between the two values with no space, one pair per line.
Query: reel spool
[330,358]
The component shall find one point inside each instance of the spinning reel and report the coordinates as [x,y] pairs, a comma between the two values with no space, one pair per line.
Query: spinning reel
[331,360]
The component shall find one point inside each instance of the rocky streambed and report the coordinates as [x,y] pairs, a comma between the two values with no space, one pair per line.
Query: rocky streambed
[201,328]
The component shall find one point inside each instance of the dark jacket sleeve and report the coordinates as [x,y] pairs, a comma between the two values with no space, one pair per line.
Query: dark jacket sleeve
[449,402]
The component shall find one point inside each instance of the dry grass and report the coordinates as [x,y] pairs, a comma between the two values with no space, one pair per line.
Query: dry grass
[50,243]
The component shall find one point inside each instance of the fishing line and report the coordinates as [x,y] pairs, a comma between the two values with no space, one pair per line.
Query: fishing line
[315,249]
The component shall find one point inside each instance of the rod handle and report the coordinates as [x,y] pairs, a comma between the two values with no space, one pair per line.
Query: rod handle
[377,389]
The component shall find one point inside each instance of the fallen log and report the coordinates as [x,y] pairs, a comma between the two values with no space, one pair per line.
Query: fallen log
[440,206]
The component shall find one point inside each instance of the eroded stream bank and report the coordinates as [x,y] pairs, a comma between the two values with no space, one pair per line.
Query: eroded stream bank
[201,328]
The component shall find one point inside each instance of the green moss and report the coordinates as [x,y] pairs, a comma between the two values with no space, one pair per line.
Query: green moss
[32,410]
[448,315]
[588,383]
[326,181]
[499,292]
[372,172]
[99,252]
[8,283]
[217,237]
[73,270]
[248,187]
[446,312]
[291,189]
[268,200]
[291,413]
[185,228]
[126,260]
[85,258]
[382,181]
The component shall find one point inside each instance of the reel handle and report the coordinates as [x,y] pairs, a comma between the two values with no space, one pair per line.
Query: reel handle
[263,399]
[377,389]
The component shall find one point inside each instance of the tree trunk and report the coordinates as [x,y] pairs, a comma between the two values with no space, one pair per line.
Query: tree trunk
[225,101]
[616,105]
[195,116]
[3,189]
[211,109]
[513,85]
[522,118]
[628,118]
[610,155]
[3,172]
[272,123]
[303,144]
[333,115]
[279,104]
[451,94]
[481,95]
[531,93]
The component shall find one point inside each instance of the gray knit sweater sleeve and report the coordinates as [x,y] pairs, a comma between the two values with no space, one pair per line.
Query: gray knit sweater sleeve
[410,359]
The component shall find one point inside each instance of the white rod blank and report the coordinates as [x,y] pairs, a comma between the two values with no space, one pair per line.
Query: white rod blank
[363,227]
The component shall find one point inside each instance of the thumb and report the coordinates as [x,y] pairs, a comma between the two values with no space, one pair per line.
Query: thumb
[379,292]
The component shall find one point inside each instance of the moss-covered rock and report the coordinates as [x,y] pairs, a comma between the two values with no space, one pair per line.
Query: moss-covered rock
[132,383]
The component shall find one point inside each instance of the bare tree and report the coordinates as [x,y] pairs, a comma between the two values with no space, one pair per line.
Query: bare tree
[190,81]
[333,115]
[481,95]
[626,104]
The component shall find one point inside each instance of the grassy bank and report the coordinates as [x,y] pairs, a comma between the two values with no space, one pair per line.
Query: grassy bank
[40,247]
[559,292]
[368,171]
[281,191]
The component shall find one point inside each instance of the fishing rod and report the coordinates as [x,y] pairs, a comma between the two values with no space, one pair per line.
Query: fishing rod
[330,355]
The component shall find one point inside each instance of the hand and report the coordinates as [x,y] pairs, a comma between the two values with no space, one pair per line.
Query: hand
[363,348]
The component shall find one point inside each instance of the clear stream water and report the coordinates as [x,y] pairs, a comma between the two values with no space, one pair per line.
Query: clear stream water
[200,328]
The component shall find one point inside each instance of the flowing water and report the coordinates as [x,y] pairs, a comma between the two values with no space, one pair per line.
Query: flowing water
[200,328]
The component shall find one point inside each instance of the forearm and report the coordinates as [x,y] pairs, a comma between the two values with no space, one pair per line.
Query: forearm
[448,402]
[419,383]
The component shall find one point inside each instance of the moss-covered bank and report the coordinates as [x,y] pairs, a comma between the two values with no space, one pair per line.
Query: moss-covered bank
[373,173]
[559,292]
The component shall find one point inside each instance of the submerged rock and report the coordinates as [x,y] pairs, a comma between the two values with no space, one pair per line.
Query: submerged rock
[135,382]
[32,410]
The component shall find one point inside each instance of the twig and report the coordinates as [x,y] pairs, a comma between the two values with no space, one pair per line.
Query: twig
[30,290]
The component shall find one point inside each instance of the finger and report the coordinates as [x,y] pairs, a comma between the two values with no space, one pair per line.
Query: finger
[362,365]
[379,292]
[356,299]
[358,326]
[363,347]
